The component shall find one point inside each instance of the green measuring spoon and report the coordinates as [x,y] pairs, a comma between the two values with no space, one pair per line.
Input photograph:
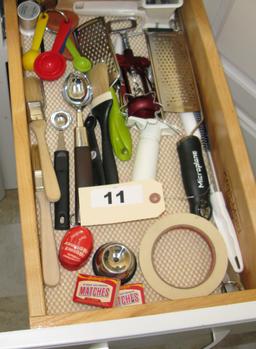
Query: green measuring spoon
[119,133]
[80,63]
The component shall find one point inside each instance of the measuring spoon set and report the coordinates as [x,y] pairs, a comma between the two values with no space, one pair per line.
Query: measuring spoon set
[51,65]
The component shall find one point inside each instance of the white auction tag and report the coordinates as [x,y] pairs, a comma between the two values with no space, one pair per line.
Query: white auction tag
[121,195]
[122,202]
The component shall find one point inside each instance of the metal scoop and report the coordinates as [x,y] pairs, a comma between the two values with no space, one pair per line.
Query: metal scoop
[78,92]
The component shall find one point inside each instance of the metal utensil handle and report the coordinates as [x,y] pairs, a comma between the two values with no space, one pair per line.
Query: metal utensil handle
[61,207]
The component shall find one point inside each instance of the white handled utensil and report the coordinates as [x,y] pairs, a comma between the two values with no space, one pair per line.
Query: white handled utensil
[220,212]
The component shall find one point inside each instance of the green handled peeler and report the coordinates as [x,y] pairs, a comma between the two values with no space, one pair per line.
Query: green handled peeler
[119,133]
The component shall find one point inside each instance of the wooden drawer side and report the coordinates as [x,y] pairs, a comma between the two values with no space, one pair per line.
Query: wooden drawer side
[23,165]
[228,148]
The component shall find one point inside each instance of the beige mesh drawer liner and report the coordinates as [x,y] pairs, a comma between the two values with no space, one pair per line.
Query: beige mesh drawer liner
[59,298]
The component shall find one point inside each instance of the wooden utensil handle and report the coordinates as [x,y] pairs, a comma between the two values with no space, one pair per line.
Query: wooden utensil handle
[49,256]
[50,180]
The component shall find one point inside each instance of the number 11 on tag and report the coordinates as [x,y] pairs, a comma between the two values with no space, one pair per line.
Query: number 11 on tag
[116,196]
[109,197]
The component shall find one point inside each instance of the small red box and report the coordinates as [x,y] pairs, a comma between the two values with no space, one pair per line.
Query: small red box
[132,294]
[99,291]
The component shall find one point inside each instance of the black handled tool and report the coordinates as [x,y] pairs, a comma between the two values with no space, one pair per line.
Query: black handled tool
[100,109]
[61,207]
[61,121]
[97,166]
[194,176]
[101,112]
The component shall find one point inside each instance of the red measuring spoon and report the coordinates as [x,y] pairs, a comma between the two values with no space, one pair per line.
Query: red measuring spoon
[55,18]
[51,65]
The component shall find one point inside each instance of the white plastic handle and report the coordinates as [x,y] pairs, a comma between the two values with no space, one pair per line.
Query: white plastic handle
[147,152]
[220,213]
[227,230]
[106,8]
[189,123]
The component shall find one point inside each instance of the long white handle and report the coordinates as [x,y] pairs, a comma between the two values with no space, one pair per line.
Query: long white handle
[220,213]
[145,165]
[49,256]
[189,123]
[226,227]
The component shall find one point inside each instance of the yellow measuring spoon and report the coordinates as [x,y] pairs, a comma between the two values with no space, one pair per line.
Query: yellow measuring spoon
[29,57]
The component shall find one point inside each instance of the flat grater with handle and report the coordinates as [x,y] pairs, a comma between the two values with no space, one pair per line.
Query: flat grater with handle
[93,41]
[173,76]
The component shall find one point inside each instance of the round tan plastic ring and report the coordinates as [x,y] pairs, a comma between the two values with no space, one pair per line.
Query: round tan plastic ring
[202,227]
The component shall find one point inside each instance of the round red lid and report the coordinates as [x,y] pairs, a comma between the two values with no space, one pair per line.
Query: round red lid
[75,248]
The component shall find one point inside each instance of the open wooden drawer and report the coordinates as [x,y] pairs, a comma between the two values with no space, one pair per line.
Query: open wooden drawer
[229,154]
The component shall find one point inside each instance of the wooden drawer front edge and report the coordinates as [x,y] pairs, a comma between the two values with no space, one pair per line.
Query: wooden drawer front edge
[23,165]
[220,111]
[228,148]
[144,310]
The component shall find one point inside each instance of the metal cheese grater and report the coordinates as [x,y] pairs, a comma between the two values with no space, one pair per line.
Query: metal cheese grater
[94,42]
[173,76]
